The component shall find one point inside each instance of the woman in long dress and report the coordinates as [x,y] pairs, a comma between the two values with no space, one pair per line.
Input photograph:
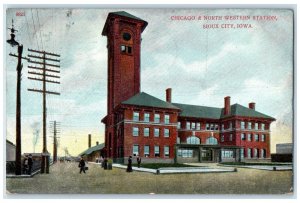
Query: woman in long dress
[129,165]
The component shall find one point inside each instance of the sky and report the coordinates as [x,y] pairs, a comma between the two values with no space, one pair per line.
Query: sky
[202,66]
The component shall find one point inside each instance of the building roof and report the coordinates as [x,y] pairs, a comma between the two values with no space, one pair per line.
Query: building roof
[239,110]
[144,99]
[199,111]
[217,113]
[92,149]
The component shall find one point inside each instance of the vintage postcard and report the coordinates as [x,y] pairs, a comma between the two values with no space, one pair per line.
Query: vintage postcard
[149,101]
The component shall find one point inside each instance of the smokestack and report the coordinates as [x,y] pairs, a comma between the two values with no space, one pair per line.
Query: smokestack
[252,105]
[227,105]
[90,139]
[97,143]
[169,95]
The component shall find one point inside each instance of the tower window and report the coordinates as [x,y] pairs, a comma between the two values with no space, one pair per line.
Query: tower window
[126,49]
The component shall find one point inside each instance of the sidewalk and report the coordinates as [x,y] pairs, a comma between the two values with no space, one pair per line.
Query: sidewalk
[260,167]
[179,169]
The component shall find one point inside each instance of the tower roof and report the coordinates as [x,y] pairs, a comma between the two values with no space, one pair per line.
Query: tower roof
[124,15]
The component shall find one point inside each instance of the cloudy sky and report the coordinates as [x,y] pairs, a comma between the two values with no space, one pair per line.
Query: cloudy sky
[202,66]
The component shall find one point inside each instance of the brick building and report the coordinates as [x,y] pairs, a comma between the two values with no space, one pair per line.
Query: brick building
[138,124]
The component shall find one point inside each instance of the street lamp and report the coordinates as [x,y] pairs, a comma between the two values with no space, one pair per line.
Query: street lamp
[13,43]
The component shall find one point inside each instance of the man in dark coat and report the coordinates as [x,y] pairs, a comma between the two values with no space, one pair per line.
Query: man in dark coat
[30,163]
[82,165]
[129,165]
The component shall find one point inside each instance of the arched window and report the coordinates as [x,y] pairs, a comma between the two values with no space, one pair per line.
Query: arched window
[193,140]
[211,140]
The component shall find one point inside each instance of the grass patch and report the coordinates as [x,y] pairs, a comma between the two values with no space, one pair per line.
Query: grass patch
[161,165]
[252,164]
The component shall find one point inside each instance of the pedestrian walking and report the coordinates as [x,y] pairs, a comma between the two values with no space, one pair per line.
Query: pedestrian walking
[82,165]
[139,161]
[129,165]
[25,165]
[30,163]
[105,163]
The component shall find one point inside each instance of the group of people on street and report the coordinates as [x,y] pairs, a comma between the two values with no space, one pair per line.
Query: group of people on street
[104,161]
[129,165]
[27,164]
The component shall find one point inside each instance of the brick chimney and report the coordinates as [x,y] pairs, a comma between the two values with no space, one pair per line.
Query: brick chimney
[169,95]
[97,143]
[227,105]
[90,139]
[252,105]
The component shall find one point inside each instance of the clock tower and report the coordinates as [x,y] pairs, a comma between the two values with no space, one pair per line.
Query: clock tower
[123,32]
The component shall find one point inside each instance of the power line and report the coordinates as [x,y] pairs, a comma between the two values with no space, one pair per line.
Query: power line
[35,30]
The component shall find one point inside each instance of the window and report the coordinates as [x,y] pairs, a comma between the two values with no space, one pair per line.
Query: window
[227,154]
[230,137]
[178,140]
[249,137]
[156,132]
[263,138]
[222,138]
[146,132]
[242,125]
[212,126]
[167,151]
[211,140]
[262,126]
[167,119]
[146,151]
[135,150]
[193,125]
[216,127]
[185,153]
[256,137]
[249,125]
[222,126]
[249,153]
[207,126]
[135,131]
[198,126]
[243,136]
[146,117]
[167,133]
[230,125]
[193,140]
[156,151]
[255,152]
[263,153]
[157,118]
[188,125]
[136,116]
[242,153]
[256,126]
[178,125]
[126,49]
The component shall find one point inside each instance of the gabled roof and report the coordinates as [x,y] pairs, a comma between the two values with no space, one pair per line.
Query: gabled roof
[144,99]
[217,113]
[92,149]
[199,111]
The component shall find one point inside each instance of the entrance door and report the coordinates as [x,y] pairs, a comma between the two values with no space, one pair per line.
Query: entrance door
[206,155]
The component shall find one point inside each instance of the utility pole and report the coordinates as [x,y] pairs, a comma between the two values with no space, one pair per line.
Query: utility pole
[55,130]
[13,42]
[43,58]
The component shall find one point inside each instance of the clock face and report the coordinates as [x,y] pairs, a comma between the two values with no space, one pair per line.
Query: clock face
[126,36]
